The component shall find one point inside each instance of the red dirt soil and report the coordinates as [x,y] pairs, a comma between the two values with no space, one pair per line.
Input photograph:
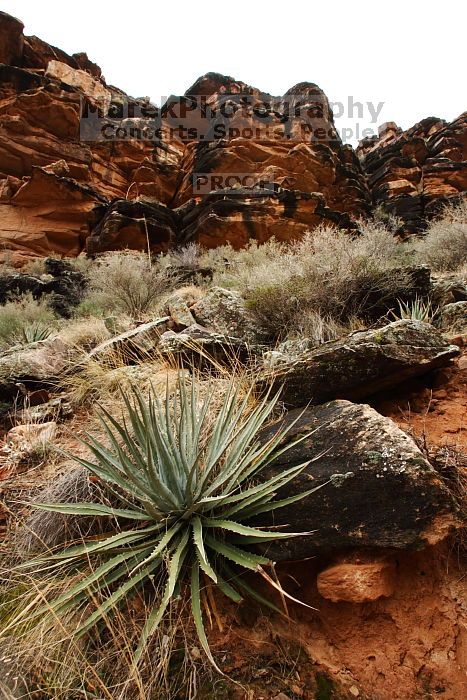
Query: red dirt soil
[434,405]
[410,646]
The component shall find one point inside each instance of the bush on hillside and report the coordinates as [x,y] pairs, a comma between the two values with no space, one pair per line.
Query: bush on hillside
[24,320]
[126,282]
[444,246]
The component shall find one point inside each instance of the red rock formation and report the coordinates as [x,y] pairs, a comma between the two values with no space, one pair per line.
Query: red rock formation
[44,96]
[224,163]
[411,173]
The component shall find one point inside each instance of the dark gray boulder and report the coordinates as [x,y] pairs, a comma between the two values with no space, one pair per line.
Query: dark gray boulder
[378,490]
[358,365]
[225,311]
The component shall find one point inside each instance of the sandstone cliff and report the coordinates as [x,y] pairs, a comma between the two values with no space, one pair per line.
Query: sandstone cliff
[74,178]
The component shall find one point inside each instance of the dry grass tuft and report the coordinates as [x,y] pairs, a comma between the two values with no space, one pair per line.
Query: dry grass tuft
[326,273]
[84,334]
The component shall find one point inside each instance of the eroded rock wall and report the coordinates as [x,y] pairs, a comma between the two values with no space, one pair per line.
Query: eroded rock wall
[224,163]
[412,173]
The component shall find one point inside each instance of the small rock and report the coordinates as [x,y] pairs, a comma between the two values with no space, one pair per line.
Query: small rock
[441,394]
[55,409]
[353,690]
[357,583]
[32,435]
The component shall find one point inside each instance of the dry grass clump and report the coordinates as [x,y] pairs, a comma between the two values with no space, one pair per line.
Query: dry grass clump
[444,247]
[127,282]
[45,660]
[21,320]
[320,329]
[85,334]
[102,379]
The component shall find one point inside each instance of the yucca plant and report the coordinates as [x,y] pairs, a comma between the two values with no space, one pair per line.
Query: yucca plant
[189,484]
[416,310]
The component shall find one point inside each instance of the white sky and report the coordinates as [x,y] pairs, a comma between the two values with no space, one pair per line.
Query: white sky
[409,54]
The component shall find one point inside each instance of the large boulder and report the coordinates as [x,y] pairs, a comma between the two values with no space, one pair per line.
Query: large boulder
[224,311]
[358,365]
[37,366]
[377,488]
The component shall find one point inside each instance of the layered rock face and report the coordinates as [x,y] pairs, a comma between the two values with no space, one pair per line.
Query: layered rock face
[411,173]
[84,167]
[224,163]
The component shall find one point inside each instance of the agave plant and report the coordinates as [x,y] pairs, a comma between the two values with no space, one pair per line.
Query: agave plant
[188,483]
[416,310]
[34,332]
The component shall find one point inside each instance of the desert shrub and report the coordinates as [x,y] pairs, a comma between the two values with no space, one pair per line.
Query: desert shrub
[126,282]
[188,256]
[328,272]
[444,246]
[25,320]
[186,480]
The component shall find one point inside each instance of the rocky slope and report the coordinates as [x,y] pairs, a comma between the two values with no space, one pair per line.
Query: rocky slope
[67,184]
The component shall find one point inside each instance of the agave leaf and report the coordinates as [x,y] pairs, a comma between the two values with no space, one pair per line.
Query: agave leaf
[91,509]
[106,544]
[162,545]
[238,443]
[246,559]
[249,590]
[124,474]
[254,532]
[226,428]
[228,590]
[113,600]
[198,540]
[120,461]
[264,488]
[157,613]
[198,615]
[97,577]
[151,428]
[274,505]
[257,462]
